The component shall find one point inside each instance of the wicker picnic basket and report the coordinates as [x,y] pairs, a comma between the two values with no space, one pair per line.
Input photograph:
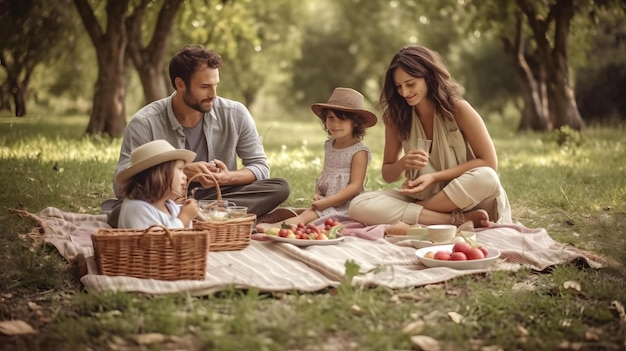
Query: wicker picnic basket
[227,234]
[154,253]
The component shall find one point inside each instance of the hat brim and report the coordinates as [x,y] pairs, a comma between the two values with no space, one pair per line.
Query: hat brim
[172,155]
[369,119]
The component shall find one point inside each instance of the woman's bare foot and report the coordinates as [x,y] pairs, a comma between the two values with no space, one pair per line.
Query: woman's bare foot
[399,228]
[480,218]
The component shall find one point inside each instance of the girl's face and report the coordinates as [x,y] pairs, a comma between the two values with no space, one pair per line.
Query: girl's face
[412,89]
[338,127]
[179,180]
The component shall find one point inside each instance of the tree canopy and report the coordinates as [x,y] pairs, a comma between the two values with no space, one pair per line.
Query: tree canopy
[296,51]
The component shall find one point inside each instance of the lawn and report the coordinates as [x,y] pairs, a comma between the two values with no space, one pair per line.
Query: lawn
[575,188]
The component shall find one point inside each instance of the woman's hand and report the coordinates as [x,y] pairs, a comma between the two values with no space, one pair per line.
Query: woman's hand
[414,161]
[417,185]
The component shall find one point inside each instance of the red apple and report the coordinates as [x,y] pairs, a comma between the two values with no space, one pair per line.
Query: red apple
[475,254]
[458,256]
[461,247]
[442,255]
[484,250]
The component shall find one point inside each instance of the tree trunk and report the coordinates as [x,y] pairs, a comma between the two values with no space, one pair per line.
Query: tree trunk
[564,109]
[108,114]
[561,101]
[5,97]
[19,93]
[534,116]
[149,60]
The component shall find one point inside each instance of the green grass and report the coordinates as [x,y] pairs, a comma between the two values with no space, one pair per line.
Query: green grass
[577,191]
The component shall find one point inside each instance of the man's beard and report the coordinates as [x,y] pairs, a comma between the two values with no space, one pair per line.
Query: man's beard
[194,104]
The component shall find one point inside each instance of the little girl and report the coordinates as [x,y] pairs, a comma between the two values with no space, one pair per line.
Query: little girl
[345,158]
[152,181]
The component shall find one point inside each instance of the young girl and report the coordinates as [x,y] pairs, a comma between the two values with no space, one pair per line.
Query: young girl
[345,158]
[151,183]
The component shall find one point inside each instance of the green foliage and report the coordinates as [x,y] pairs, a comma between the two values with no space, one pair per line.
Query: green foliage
[568,138]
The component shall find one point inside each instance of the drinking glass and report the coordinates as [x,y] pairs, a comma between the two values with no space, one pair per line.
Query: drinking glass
[422,144]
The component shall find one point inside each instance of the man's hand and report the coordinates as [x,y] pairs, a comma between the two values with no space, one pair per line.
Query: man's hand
[198,172]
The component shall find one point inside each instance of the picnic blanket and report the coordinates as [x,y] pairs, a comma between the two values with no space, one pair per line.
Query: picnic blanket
[283,267]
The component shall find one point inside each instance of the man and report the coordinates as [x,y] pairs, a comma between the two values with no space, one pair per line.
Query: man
[218,130]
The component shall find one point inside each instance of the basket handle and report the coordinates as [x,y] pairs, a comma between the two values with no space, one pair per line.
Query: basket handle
[217,186]
[165,229]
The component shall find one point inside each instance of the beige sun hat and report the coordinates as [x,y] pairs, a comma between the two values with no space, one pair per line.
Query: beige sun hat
[151,154]
[350,100]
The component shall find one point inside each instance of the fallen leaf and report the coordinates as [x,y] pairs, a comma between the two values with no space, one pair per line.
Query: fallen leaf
[491,348]
[150,338]
[33,306]
[593,334]
[521,330]
[413,328]
[456,318]
[620,310]
[572,286]
[16,327]
[356,310]
[425,343]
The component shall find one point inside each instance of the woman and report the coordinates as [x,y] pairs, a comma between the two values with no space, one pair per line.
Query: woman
[453,182]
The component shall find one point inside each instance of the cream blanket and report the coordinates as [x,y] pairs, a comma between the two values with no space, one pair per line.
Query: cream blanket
[283,267]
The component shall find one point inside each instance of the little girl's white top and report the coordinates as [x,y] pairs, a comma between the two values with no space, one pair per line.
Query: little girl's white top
[336,176]
[139,214]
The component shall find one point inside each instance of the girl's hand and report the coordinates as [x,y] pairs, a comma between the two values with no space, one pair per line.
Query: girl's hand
[414,159]
[319,205]
[188,211]
[416,186]
[317,197]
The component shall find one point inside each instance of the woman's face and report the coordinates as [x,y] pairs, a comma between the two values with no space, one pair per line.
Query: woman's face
[179,180]
[412,89]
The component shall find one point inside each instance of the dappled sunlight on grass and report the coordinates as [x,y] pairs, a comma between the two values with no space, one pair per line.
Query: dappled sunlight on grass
[59,149]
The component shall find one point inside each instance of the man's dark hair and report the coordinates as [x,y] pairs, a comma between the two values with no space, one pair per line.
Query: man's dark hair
[189,59]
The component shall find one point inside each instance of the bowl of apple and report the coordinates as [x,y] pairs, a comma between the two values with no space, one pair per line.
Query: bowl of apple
[460,255]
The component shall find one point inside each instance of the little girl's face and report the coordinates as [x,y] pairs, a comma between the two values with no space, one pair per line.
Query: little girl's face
[179,180]
[338,127]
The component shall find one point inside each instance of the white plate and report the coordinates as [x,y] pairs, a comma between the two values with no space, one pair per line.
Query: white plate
[305,242]
[492,256]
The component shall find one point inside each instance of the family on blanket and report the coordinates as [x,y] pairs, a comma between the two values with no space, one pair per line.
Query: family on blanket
[194,134]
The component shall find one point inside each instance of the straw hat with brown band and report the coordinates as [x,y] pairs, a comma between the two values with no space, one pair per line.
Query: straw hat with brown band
[349,100]
[151,154]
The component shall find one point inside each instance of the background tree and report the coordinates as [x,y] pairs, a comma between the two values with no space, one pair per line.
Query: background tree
[148,60]
[124,22]
[108,113]
[29,35]
[601,76]
[539,44]
[257,40]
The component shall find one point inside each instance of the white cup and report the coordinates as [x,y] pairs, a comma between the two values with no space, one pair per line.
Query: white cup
[441,233]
